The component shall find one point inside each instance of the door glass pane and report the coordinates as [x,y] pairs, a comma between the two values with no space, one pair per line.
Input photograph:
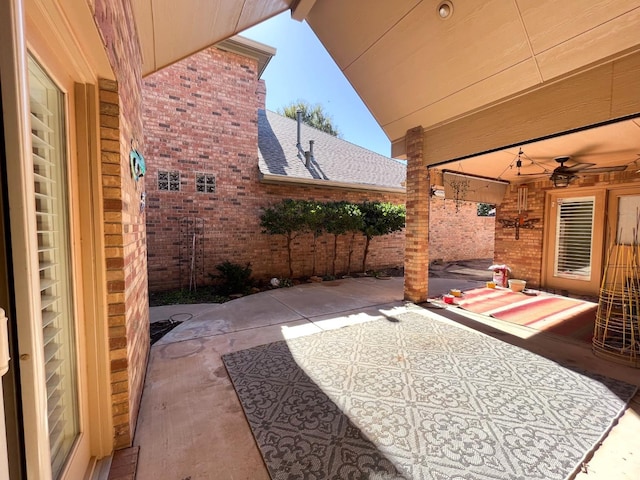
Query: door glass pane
[49,163]
[574,238]
[628,220]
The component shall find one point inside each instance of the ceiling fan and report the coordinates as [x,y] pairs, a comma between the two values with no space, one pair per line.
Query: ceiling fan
[563,174]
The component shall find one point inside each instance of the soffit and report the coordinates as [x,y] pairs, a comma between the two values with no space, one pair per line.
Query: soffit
[170,31]
[610,145]
[69,25]
[410,67]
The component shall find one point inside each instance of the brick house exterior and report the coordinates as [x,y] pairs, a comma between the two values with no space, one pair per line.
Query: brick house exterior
[99,320]
[201,122]
[204,121]
[124,223]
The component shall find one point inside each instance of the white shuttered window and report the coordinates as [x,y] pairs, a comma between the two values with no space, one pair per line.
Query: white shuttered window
[50,175]
[574,238]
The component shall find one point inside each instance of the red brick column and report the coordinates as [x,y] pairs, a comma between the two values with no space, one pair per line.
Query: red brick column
[416,256]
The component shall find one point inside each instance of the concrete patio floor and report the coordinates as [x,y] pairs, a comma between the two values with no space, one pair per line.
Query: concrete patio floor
[191,425]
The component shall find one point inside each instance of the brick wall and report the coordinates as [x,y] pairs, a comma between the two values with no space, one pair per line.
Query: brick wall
[120,127]
[524,256]
[385,251]
[459,233]
[200,116]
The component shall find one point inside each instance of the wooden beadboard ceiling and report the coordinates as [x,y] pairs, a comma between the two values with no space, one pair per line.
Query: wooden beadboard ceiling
[411,67]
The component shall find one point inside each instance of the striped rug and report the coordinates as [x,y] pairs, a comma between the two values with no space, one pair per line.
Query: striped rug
[561,315]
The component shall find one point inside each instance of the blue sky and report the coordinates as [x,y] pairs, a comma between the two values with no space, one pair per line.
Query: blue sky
[303,70]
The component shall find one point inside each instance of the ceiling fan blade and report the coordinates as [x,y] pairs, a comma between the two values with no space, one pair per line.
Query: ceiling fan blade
[578,167]
[594,171]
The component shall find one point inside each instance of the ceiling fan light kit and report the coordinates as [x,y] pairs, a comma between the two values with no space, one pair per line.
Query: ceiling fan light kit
[562,180]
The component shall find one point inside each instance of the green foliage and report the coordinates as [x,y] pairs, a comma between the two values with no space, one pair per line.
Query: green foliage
[484,209]
[285,218]
[286,282]
[342,217]
[314,116]
[380,218]
[235,278]
[294,217]
[315,215]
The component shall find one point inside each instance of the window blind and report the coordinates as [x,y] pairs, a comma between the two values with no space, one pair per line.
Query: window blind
[49,174]
[574,238]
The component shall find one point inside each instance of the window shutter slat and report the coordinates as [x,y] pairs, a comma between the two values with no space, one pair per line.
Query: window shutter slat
[574,238]
[49,175]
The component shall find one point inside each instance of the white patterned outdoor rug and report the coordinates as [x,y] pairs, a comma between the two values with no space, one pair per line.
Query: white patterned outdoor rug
[413,397]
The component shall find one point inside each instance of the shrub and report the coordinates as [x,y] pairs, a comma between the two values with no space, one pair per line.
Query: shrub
[343,217]
[285,218]
[234,278]
[315,218]
[380,218]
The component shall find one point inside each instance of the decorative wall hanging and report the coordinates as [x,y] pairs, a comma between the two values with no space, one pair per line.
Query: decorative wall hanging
[521,220]
[136,162]
[459,188]
[523,197]
[143,201]
[519,223]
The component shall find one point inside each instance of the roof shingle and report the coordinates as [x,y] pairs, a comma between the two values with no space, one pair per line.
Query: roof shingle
[335,160]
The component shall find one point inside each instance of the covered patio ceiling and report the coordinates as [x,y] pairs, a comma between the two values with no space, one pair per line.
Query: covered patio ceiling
[432,62]
[615,145]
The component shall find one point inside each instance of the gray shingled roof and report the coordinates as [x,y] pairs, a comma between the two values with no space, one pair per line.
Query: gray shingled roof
[335,160]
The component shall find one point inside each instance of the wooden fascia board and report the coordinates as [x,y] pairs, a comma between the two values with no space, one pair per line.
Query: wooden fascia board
[298,181]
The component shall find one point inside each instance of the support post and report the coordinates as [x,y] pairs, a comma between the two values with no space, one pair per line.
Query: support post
[416,251]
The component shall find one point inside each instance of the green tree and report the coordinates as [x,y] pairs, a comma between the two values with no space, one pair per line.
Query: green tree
[341,218]
[380,218]
[315,214]
[314,116]
[484,209]
[285,218]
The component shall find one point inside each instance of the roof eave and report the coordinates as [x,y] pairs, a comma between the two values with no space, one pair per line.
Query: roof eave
[286,180]
[249,48]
